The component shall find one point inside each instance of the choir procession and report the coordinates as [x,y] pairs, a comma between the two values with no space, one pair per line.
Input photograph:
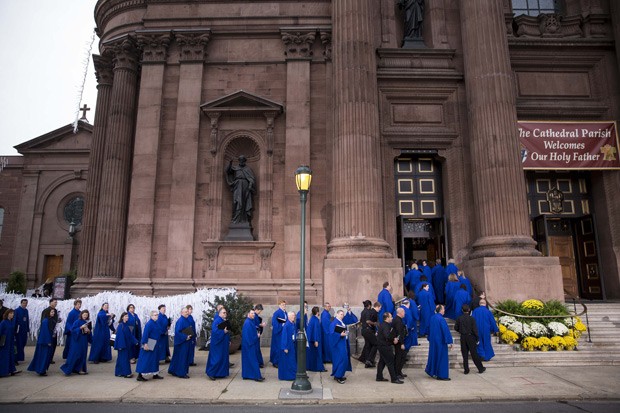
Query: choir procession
[390,328]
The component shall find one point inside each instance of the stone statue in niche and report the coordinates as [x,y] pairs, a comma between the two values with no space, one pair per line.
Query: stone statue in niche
[242,183]
[414,21]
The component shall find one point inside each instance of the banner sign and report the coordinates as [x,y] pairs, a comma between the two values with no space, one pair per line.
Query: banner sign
[569,145]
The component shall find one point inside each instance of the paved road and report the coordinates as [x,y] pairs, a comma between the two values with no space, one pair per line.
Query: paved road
[606,406]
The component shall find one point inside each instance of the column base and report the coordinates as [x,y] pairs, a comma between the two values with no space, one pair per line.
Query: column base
[354,280]
[359,247]
[504,246]
[137,286]
[92,286]
[173,286]
[517,278]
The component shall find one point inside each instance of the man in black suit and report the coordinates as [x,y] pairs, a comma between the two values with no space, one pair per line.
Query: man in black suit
[52,325]
[400,330]
[466,326]
[386,338]
[369,322]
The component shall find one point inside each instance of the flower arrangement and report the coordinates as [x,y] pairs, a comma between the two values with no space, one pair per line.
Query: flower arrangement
[538,330]
[509,337]
[571,343]
[502,329]
[544,343]
[557,328]
[530,343]
[533,304]
[558,343]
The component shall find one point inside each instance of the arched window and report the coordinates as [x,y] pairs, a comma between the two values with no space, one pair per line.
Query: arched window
[535,7]
[1,221]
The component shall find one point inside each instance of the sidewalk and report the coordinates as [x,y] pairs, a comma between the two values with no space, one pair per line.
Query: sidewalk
[496,384]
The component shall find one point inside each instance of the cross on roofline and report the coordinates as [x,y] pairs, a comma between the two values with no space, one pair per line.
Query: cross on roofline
[84,109]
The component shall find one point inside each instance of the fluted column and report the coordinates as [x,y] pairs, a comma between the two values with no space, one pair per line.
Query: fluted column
[498,180]
[357,188]
[113,205]
[103,72]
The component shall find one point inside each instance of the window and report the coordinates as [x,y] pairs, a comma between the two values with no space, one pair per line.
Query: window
[73,210]
[1,220]
[535,7]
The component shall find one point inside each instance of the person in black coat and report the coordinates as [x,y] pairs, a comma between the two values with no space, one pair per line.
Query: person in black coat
[400,330]
[386,338]
[466,326]
[369,320]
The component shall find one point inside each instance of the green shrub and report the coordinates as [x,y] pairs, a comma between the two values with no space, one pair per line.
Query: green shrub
[237,307]
[17,283]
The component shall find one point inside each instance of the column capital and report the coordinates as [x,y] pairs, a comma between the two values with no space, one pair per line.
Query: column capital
[124,52]
[192,44]
[103,69]
[326,39]
[154,45]
[298,42]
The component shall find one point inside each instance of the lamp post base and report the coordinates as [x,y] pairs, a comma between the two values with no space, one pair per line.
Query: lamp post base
[301,385]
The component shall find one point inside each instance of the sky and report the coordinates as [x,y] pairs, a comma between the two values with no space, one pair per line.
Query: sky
[44,46]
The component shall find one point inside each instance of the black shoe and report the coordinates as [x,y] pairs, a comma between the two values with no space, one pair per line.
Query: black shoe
[52,362]
[141,378]
[211,378]
[167,360]
[482,371]
[184,377]
[446,379]
[398,381]
[16,372]
[192,364]
[171,373]
[129,376]
[95,362]
[323,371]
[403,375]
[261,366]
[158,377]
[466,372]
[42,374]
[340,380]
[381,379]
[259,380]
[368,365]
[231,365]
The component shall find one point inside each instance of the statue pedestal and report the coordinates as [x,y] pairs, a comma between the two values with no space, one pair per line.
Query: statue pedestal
[239,232]
[413,43]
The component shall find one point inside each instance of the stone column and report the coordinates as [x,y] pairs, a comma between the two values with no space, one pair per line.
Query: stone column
[502,221]
[192,45]
[116,168]
[298,43]
[103,72]
[141,215]
[25,226]
[358,259]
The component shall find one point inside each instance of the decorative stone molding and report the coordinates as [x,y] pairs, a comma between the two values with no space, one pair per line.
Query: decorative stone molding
[211,258]
[103,69]
[214,117]
[270,117]
[192,45]
[154,46]
[326,39]
[124,52]
[596,25]
[265,259]
[298,42]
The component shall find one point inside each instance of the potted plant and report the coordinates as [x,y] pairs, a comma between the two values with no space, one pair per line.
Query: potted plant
[237,307]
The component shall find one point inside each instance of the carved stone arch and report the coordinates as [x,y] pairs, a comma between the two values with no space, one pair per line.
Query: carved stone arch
[55,184]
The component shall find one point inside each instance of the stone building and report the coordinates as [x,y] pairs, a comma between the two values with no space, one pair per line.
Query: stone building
[414,145]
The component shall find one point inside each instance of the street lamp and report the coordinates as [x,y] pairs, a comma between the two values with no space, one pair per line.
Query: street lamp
[303,178]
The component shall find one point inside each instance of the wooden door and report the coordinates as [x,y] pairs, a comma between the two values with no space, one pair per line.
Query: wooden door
[588,259]
[53,266]
[562,247]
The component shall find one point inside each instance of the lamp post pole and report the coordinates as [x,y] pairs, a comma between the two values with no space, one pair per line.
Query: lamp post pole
[301,383]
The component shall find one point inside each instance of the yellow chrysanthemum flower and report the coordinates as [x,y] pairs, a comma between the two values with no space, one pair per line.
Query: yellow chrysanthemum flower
[558,343]
[509,337]
[502,329]
[533,304]
[529,343]
[579,326]
[571,343]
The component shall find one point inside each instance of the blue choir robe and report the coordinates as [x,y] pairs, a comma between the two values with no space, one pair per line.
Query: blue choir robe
[135,326]
[78,350]
[439,283]
[461,297]
[305,320]
[179,363]
[451,289]
[162,342]
[414,314]
[148,361]
[100,349]
[22,326]
[427,309]
[7,352]
[341,362]
[387,305]
[124,343]
[314,355]
[192,348]
[465,281]
[257,323]
[412,278]
[451,269]
[218,360]
[428,271]
[71,318]
[250,366]
[430,289]
[349,318]
[486,326]
[408,322]
[276,335]
[438,364]
[326,320]
[41,360]
[287,363]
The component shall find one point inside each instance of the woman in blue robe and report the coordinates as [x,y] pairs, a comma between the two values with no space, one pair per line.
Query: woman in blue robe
[451,268]
[439,337]
[148,362]
[287,362]
[341,363]
[414,312]
[427,308]
[124,343]
[276,333]
[326,320]
[41,360]
[192,347]
[218,364]
[135,326]
[101,351]
[385,299]
[7,340]
[179,364]
[258,321]
[452,286]
[412,278]
[250,339]
[466,282]
[22,328]
[439,282]
[314,355]
[80,337]
[461,297]
[163,349]
[486,326]
[72,317]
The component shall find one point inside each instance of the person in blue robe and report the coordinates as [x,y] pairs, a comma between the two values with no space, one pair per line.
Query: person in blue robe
[78,352]
[426,271]
[72,317]
[439,281]
[123,344]
[424,280]
[277,323]
[385,299]
[451,268]
[466,282]
[7,344]
[101,351]
[41,360]
[250,339]
[163,349]
[461,297]
[148,361]
[218,364]
[427,308]
[287,360]
[408,322]
[314,354]
[298,315]
[412,278]
[440,340]
[22,328]
[326,320]
[486,326]
[414,314]
[260,326]
[192,347]
[452,286]
[349,317]
[179,364]
[135,325]
[341,361]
